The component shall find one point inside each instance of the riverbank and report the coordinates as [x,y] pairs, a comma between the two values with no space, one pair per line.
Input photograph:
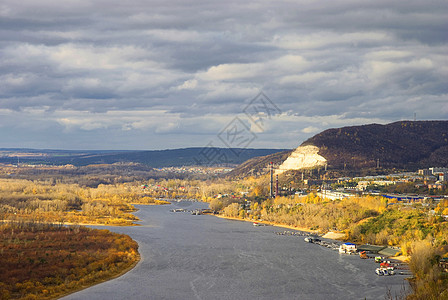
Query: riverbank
[329,235]
[271,224]
[102,280]
[46,262]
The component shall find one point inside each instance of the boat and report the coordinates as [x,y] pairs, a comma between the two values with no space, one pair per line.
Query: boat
[259,224]
[310,239]
[348,248]
[379,272]
[363,255]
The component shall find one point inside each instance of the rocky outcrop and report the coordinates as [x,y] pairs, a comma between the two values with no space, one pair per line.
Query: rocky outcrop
[304,157]
[403,145]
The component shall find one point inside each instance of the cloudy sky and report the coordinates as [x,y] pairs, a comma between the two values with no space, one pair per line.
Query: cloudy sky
[79,74]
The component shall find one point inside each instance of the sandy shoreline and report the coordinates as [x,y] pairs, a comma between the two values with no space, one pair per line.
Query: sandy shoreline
[270,223]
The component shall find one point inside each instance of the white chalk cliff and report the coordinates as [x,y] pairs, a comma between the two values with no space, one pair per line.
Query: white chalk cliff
[302,158]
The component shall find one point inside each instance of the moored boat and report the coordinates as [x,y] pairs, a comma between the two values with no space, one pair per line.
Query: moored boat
[348,248]
[363,255]
[310,239]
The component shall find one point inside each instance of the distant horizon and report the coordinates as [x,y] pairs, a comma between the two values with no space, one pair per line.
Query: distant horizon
[132,150]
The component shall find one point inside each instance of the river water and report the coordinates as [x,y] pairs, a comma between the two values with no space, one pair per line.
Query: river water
[186,256]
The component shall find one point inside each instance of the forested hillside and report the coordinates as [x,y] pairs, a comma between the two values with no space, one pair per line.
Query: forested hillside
[404,145]
[370,149]
[259,165]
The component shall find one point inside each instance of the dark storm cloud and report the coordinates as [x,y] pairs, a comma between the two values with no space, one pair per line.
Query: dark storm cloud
[179,71]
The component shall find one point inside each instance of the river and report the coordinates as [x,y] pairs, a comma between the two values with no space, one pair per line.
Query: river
[186,256]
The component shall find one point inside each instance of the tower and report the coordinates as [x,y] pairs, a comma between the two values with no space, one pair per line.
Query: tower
[276,185]
[271,188]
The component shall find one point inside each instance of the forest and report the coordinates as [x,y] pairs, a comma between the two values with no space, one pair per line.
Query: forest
[46,201]
[44,261]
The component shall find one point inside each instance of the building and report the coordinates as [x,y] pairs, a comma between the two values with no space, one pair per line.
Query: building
[362,185]
[436,170]
[334,195]
[424,172]
[442,176]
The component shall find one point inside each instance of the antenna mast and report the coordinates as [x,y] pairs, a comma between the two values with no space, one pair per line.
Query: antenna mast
[271,189]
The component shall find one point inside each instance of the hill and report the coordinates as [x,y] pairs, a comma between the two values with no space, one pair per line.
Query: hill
[403,145]
[153,158]
[258,165]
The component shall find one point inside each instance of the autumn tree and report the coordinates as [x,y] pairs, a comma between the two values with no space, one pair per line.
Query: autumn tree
[216,205]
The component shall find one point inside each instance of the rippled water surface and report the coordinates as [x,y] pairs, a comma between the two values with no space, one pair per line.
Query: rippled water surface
[204,257]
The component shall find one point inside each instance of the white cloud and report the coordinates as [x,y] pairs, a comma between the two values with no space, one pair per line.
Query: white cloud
[310,129]
[232,72]
[126,120]
[183,69]
[328,39]
[188,85]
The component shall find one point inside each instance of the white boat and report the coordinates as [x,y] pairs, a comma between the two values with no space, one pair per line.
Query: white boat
[259,224]
[384,271]
[310,239]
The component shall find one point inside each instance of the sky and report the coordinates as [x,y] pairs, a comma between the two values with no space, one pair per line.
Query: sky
[135,75]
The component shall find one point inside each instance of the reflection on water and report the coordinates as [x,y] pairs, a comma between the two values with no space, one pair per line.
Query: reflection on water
[186,256]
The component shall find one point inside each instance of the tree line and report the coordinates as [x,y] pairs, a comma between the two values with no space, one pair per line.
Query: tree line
[22,199]
[44,261]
